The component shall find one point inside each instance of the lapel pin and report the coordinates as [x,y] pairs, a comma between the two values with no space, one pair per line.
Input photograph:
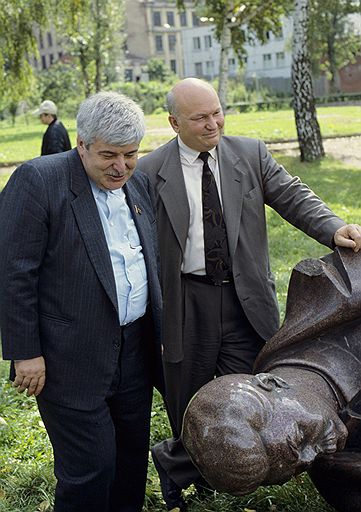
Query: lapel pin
[137,210]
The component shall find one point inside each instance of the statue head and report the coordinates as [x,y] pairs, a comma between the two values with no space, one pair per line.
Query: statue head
[243,431]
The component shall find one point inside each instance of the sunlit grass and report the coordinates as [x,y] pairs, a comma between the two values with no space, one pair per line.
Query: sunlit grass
[23,141]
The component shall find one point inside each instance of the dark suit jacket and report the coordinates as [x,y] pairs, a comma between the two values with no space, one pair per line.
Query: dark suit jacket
[250,178]
[57,290]
[55,139]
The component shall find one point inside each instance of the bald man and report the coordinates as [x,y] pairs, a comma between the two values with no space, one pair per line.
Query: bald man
[220,304]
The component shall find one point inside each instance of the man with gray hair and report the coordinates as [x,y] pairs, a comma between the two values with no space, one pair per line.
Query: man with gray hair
[80,305]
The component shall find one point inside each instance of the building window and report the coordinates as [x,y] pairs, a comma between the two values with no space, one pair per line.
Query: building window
[43,62]
[268,35]
[210,68]
[183,19]
[159,43]
[207,41]
[172,42]
[60,54]
[51,58]
[195,20]
[267,60]
[232,65]
[170,18]
[50,39]
[157,22]
[196,43]
[128,75]
[36,63]
[198,68]
[280,59]
[279,34]
[41,40]
[173,65]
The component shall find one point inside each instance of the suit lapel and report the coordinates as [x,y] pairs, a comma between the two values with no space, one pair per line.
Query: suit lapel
[141,220]
[173,193]
[232,193]
[90,226]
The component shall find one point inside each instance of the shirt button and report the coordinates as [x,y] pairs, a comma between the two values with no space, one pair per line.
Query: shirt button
[111,224]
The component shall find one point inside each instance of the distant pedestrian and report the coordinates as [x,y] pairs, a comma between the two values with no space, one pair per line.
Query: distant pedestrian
[56,138]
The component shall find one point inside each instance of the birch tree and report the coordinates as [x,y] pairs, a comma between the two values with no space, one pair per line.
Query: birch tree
[308,129]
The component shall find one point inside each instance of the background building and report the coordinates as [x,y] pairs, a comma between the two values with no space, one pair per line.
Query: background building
[50,48]
[155,29]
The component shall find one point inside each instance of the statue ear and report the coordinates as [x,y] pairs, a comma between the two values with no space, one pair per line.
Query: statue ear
[269,382]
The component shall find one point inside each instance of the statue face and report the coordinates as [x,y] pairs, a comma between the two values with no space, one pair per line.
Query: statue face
[294,436]
[243,431]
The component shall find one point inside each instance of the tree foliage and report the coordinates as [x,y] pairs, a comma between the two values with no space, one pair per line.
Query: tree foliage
[17,19]
[333,39]
[158,70]
[95,41]
[93,26]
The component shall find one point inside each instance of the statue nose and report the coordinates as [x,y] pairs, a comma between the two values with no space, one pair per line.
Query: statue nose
[308,454]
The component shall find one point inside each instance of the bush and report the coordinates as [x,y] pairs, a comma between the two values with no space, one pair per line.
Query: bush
[149,95]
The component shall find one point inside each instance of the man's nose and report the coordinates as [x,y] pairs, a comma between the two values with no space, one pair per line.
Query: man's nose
[119,163]
[212,123]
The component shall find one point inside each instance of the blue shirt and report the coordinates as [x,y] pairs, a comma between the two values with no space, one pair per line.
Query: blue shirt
[125,252]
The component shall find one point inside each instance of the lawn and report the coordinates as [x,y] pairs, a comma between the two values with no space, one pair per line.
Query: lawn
[23,141]
[26,481]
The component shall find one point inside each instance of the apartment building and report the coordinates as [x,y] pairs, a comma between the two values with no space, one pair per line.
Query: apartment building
[49,46]
[268,64]
[154,30]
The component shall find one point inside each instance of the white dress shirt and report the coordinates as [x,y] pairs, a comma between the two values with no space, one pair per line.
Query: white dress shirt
[192,167]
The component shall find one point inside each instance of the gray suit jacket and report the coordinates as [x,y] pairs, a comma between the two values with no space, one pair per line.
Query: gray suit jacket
[250,178]
[57,288]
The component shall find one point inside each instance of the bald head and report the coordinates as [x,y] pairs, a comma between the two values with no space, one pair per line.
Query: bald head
[195,114]
[187,88]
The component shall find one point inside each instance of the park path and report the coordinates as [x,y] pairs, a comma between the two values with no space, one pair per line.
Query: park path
[347,149]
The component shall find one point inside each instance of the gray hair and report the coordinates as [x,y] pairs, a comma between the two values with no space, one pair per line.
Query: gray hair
[112,117]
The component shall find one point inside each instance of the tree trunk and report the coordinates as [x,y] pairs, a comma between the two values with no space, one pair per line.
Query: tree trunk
[226,45]
[97,47]
[331,53]
[308,130]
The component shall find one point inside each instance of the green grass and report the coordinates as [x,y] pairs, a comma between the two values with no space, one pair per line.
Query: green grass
[23,141]
[26,480]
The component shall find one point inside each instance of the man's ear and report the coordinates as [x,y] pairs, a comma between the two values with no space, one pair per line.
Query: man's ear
[174,123]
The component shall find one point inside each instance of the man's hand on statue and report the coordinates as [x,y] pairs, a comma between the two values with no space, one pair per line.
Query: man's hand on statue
[30,375]
[349,236]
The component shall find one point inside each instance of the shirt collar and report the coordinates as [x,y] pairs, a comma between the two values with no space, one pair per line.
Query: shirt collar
[191,155]
[96,190]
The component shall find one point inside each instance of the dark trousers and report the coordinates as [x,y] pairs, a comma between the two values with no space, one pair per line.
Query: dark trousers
[218,340]
[101,455]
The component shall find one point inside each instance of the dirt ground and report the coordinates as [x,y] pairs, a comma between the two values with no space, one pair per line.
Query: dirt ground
[347,149]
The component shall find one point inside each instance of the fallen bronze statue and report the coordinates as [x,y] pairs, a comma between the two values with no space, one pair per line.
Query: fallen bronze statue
[301,410]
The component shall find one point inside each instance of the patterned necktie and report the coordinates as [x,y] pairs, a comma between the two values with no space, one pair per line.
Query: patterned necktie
[215,235]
